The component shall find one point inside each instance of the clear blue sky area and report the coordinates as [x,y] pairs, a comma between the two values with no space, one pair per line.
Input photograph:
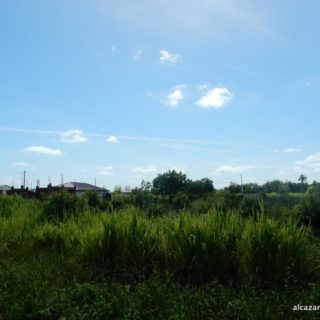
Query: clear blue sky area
[124,90]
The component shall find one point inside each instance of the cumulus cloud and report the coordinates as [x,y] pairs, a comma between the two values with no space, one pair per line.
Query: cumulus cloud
[215,98]
[167,57]
[149,169]
[21,164]
[74,136]
[230,169]
[112,139]
[310,163]
[106,171]
[43,150]
[174,97]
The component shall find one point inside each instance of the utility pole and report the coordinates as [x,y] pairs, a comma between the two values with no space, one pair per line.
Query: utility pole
[95,181]
[24,179]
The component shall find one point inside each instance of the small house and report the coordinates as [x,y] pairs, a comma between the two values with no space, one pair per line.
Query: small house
[80,188]
[4,189]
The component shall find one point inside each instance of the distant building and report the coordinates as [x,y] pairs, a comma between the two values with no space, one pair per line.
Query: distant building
[4,189]
[80,188]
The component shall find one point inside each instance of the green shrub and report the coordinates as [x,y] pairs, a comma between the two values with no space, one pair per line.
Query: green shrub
[309,211]
[120,201]
[251,206]
[61,205]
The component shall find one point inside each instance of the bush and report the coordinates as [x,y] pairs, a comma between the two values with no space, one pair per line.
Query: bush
[250,206]
[63,204]
[120,201]
[309,211]
[93,200]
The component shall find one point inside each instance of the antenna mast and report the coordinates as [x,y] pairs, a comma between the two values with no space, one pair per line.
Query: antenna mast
[24,179]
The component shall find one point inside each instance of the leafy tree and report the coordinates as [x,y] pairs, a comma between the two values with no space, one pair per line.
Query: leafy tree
[314,188]
[272,186]
[200,187]
[302,178]
[233,188]
[145,186]
[169,183]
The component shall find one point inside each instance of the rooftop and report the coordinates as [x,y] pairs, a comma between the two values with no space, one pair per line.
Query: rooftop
[83,186]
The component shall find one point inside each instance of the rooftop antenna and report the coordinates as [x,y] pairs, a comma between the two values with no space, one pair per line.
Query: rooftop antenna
[24,178]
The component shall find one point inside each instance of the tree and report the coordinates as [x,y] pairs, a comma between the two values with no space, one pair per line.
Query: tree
[233,188]
[273,186]
[169,183]
[302,178]
[200,187]
[145,186]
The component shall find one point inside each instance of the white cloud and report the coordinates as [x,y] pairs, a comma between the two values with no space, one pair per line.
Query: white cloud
[309,164]
[291,150]
[43,150]
[112,139]
[74,136]
[288,150]
[215,98]
[106,171]
[178,169]
[149,169]
[174,97]
[167,57]
[21,164]
[137,55]
[230,169]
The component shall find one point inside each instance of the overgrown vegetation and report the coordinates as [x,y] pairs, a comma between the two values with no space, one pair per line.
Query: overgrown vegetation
[160,253]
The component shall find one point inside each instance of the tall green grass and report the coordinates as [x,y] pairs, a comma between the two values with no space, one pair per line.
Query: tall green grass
[193,248]
[18,219]
[60,268]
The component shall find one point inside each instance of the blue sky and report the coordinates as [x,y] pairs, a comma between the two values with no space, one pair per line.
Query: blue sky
[124,90]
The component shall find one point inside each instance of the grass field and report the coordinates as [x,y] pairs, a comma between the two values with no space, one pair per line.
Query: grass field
[125,265]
